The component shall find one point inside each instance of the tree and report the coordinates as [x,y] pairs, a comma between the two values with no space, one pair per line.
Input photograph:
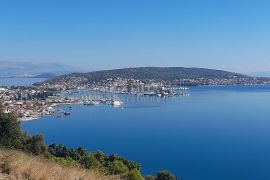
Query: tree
[118,167]
[36,145]
[165,175]
[90,162]
[149,177]
[11,136]
[10,132]
[100,156]
[130,164]
[134,175]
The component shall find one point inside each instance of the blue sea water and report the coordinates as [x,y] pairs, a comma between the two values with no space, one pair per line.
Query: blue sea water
[218,132]
[19,81]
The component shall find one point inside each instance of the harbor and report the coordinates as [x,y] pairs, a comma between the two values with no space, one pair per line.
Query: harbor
[29,104]
[32,102]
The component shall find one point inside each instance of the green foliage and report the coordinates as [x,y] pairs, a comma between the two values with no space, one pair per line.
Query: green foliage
[161,175]
[100,156]
[112,164]
[165,175]
[168,74]
[63,161]
[12,136]
[149,177]
[90,162]
[118,167]
[134,175]
[10,132]
[35,144]
[130,164]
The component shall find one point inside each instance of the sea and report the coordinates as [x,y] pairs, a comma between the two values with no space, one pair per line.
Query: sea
[217,132]
[22,81]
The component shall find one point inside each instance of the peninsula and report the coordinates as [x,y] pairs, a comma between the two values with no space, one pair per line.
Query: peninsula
[31,102]
[144,78]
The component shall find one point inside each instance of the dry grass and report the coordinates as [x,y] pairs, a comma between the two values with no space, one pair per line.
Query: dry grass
[20,166]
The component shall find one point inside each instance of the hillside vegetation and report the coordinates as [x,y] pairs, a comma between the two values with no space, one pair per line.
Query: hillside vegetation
[18,165]
[153,73]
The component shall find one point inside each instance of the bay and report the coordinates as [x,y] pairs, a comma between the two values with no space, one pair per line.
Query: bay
[218,132]
[15,81]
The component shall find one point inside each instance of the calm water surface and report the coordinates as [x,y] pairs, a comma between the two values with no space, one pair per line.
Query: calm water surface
[216,133]
[19,81]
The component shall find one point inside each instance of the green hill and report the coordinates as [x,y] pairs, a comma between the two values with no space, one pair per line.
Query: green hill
[168,74]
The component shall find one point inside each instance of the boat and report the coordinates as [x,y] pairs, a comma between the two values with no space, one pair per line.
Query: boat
[96,102]
[117,103]
[183,88]
[67,113]
[91,103]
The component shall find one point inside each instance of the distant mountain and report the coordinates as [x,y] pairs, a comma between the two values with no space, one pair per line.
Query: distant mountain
[30,69]
[174,75]
[45,75]
[260,74]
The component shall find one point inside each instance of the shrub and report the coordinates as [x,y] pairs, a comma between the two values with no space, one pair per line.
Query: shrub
[149,177]
[10,132]
[90,162]
[134,175]
[165,175]
[118,167]
[36,145]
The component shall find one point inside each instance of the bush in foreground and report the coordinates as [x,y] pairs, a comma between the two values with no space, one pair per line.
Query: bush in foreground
[21,166]
[112,164]
[161,175]
[165,175]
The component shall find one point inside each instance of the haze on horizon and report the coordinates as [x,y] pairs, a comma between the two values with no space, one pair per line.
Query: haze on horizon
[103,34]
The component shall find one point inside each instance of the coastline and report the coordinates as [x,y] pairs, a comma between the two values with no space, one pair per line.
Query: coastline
[51,112]
[25,119]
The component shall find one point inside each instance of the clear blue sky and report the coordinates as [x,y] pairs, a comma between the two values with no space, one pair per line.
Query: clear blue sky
[102,34]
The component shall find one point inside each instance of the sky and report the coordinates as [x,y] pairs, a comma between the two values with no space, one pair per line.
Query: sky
[231,35]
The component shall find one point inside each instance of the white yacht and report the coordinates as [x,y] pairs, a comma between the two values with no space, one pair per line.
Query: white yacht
[117,103]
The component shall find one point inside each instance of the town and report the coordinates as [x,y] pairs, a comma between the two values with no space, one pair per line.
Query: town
[132,85]
[118,85]
[28,103]
[31,102]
